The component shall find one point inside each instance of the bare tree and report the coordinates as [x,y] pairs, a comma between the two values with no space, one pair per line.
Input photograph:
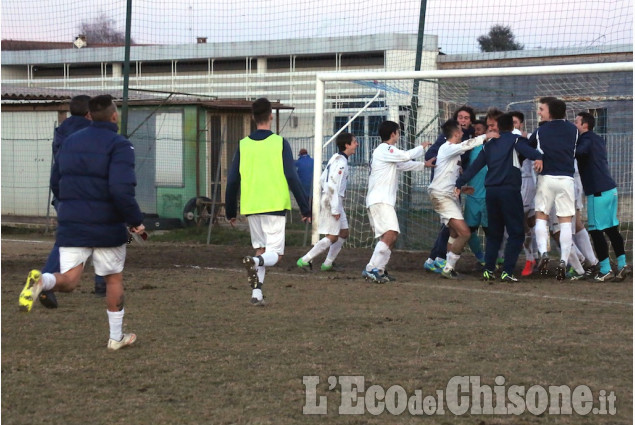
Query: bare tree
[101,30]
[499,39]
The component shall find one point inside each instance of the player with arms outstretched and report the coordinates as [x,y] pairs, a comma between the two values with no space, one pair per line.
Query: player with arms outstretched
[381,198]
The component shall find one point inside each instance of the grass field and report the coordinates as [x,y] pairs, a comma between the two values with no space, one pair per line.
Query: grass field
[205,356]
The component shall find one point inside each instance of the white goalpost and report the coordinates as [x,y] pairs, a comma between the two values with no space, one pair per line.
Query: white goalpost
[439,92]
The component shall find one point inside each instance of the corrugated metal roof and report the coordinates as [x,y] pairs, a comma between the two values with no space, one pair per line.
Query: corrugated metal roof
[23,95]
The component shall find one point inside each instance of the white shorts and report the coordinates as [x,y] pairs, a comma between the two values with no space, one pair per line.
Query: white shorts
[106,261]
[528,193]
[579,192]
[446,205]
[328,225]
[267,231]
[558,191]
[383,218]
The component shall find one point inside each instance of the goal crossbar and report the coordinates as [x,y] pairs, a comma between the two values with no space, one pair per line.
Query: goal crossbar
[323,77]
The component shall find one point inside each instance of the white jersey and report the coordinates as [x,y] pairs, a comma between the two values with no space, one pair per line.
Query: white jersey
[385,162]
[333,181]
[448,164]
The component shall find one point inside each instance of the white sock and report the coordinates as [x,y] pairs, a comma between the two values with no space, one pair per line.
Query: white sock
[439,260]
[257,294]
[269,258]
[378,257]
[48,281]
[542,234]
[429,261]
[334,250]
[322,245]
[384,256]
[261,273]
[452,258]
[115,322]
[575,250]
[574,261]
[566,241]
[583,242]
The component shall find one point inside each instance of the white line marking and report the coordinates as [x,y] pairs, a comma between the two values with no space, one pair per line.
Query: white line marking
[445,287]
[25,241]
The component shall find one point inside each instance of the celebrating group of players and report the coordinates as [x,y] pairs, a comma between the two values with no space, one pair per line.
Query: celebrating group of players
[517,187]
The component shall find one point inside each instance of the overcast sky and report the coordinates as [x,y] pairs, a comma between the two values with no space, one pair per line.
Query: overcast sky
[536,23]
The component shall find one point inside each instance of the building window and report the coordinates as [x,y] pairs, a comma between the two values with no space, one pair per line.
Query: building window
[169,149]
[601,120]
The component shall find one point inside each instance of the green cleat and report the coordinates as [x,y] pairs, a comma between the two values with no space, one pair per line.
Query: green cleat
[324,267]
[303,264]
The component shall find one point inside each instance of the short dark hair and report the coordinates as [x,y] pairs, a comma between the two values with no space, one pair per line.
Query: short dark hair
[557,109]
[493,114]
[261,110]
[449,127]
[79,105]
[505,122]
[101,107]
[386,129]
[467,109]
[342,140]
[588,119]
[519,115]
[546,99]
[479,122]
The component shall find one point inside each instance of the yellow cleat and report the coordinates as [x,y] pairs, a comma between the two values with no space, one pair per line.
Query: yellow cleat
[31,291]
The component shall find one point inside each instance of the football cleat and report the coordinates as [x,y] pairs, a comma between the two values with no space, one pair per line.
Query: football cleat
[591,271]
[543,264]
[561,270]
[529,268]
[48,299]
[390,277]
[509,278]
[449,273]
[327,268]
[126,340]
[489,276]
[374,276]
[432,267]
[622,273]
[440,263]
[304,264]
[31,291]
[604,277]
[575,276]
[252,272]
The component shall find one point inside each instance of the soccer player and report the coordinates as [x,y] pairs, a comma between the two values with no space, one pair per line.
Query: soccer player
[96,203]
[475,208]
[528,193]
[504,202]
[79,119]
[557,139]
[465,116]
[601,192]
[264,171]
[441,191]
[333,222]
[386,160]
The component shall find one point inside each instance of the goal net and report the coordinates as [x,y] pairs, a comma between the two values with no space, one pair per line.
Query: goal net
[421,105]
